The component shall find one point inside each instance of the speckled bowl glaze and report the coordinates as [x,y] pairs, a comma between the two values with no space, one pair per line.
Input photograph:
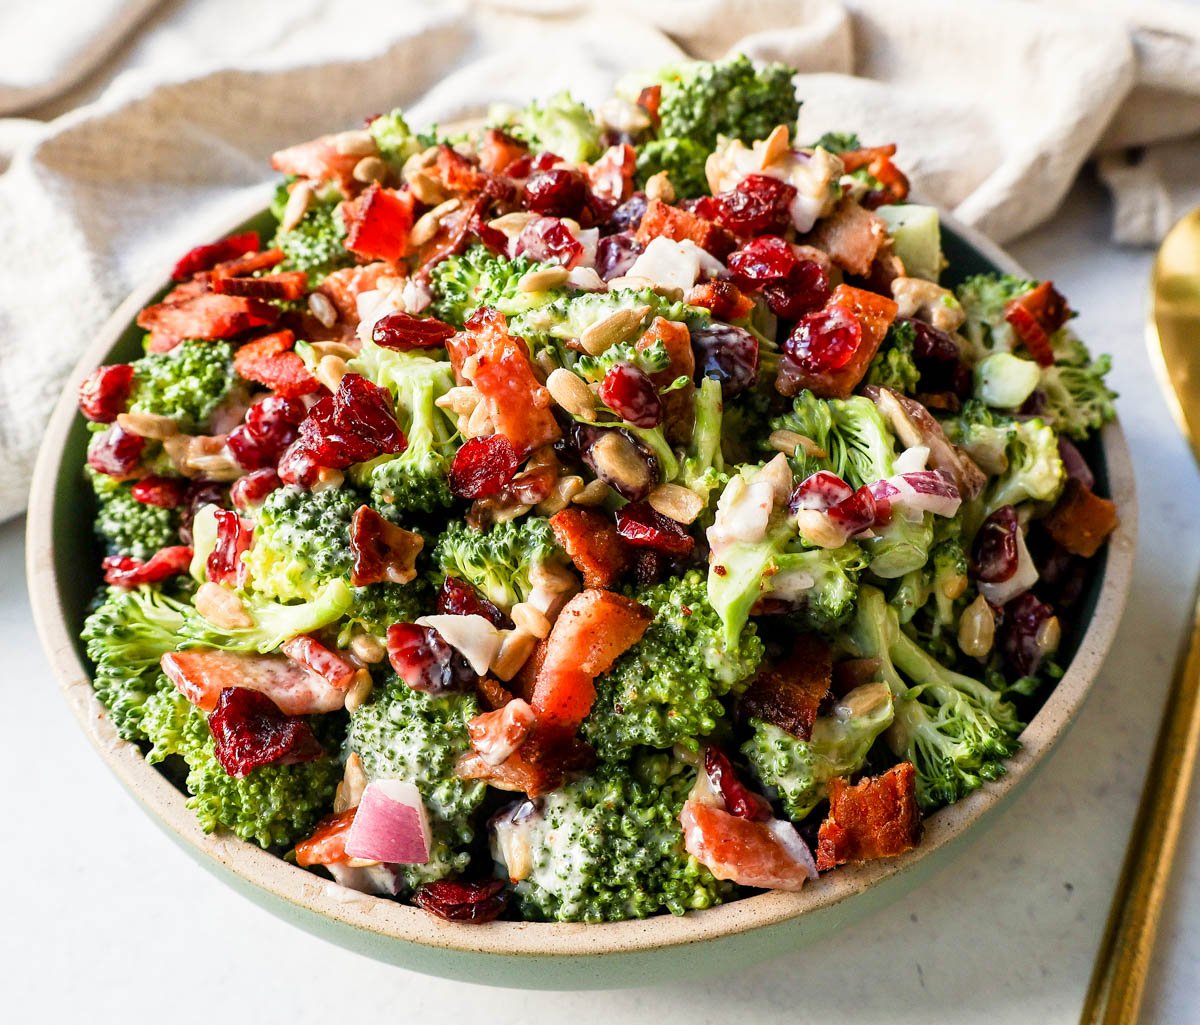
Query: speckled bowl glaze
[62,579]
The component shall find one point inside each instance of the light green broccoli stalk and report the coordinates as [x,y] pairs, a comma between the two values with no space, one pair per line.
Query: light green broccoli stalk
[1077,399]
[561,125]
[479,277]
[860,447]
[702,468]
[667,688]
[317,243]
[273,623]
[893,366]
[187,384]
[500,562]
[1035,469]
[798,771]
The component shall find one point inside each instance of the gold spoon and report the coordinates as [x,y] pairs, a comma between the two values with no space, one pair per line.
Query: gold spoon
[1119,979]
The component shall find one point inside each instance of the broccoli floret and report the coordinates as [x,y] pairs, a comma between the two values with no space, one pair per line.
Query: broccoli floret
[126,635]
[702,468]
[1077,399]
[273,623]
[1005,381]
[665,690]
[186,384]
[126,526]
[317,243]
[415,480]
[479,277]
[1035,470]
[403,734]
[954,729]
[893,366]
[838,142]
[561,125]
[982,434]
[983,298]
[498,561]
[377,606]
[395,140]
[275,805]
[859,446]
[651,360]
[798,770]
[682,159]
[609,847]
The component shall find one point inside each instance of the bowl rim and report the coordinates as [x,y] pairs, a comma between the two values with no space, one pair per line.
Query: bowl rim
[395,921]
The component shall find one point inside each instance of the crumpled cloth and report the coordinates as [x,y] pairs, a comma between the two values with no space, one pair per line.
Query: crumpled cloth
[133,130]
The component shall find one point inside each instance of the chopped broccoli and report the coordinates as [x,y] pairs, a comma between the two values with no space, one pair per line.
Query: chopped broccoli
[838,142]
[859,445]
[395,140]
[479,277]
[377,606]
[702,468]
[126,526]
[798,770]
[317,243]
[665,690]
[609,847]
[273,623]
[499,561]
[1077,399]
[651,360]
[1035,470]
[983,298]
[1005,381]
[682,159]
[561,125]
[186,384]
[893,366]
[955,730]
[982,434]
[403,734]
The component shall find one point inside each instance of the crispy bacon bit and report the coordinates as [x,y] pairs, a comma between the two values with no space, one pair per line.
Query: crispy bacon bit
[243,265]
[592,543]
[539,767]
[723,298]
[288,285]
[249,731]
[611,177]
[498,151]
[378,223]
[852,236]
[327,845]
[318,160]
[678,407]
[877,818]
[104,393]
[1035,316]
[770,855]
[312,654]
[496,735]
[206,257]
[382,551]
[205,316]
[234,536]
[594,629]
[269,361]
[492,692]
[1081,521]
[671,222]
[649,99]
[893,185]
[788,693]
[343,287]
[201,674]
[125,571]
[458,175]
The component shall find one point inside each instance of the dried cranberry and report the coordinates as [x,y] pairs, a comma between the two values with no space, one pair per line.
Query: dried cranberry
[805,289]
[250,491]
[105,392]
[459,598]
[824,340]
[1024,617]
[125,571]
[557,193]
[739,800]
[1074,463]
[234,536]
[353,425]
[297,466]
[404,332]
[250,730]
[644,527]
[630,393]
[423,660]
[615,254]
[707,207]
[820,491]
[483,466]
[381,550]
[548,240]
[463,902]
[762,260]
[629,214]
[756,205]
[164,492]
[929,342]
[994,555]
[116,453]
[251,453]
[858,512]
[200,494]
[493,238]
[727,353]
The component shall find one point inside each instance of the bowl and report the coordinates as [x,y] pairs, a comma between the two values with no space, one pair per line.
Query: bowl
[562,955]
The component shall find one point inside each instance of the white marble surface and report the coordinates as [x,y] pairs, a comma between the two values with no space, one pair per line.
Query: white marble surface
[104,920]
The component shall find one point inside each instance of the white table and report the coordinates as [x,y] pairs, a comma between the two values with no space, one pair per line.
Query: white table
[104,920]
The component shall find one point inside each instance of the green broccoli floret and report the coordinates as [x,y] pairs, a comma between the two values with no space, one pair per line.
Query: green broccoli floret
[415,480]
[702,468]
[395,140]
[561,125]
[1035,470]
[838,142]
[982,434]
[126,526]
[893,366]
[651,360]
[186,384]
[126,635]
[1077,399]
[274,623]
[275,805]
[479,277]
[665,690]
[983,298]
[609,847]
[317,243]
[682,159]
[799,770]
[860,447]
[377,606]
[403,734]
[954,729]
[498,561]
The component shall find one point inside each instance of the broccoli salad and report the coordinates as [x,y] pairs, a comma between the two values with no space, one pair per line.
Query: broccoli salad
[590,514]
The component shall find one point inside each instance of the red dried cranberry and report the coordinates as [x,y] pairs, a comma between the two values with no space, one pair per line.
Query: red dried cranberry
[762,260]
[994,555]
[628,215]
[250,491]
[381,550]
[727,353]
[492,238]
[929,342]
[820,491]
[250,730]
[125,571]
[423,660]
[557,193]
[459,598]
[824,340]
[116,453]
[297,466]
[234,535]
[483,466]
[271,425]
[200,494]
[702,206]
[548,240]
[630,393]
[404,332]
[856,513]
[1074,463]
[739,800]
[458,901]
[615,254]
[249,452]
[805,289]
[1023,620]
[164,492]
[642,526]
[756,205]
[105,392]
[353,425]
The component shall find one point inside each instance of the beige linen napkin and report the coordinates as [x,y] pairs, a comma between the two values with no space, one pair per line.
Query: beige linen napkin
[995,105]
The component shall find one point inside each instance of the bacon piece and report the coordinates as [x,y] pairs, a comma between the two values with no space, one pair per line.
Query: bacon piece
[1081,520]
[269,360]
[327,845]
[851,235]
[319,160]
[498,151]
[245,264]
[342,287]
[206,257]
[205,316]
[594,629]
[492,692]
[1035,316]
[877,818]
[611,177]
[678,408]
[878,162]
[378,223]
[288,285]
[125,571]
[725,300]
[591,541]
[382,551]
[497,364]
[523,682]
[201,674]
[456,174]
[770,855]
[538,767]
[671,222]
[788,693]
[313,655]
[497,735]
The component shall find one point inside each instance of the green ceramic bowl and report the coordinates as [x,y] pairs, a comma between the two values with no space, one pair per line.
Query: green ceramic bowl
[61,557]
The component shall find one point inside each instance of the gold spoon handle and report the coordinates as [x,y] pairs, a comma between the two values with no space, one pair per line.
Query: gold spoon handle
[1115,994]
